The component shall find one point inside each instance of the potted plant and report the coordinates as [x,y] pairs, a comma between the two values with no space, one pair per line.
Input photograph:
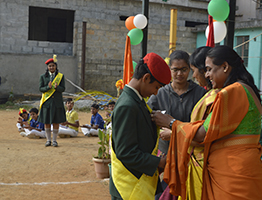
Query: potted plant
[102,159]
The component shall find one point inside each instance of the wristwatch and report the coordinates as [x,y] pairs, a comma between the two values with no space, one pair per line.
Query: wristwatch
[171,123]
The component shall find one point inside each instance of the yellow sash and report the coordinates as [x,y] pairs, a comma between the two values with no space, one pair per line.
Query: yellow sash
[201,106]
[128,186]
[49,93]
[30,118]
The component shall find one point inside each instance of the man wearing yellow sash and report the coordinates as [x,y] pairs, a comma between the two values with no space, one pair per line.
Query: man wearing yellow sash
[134,136]
[52,110]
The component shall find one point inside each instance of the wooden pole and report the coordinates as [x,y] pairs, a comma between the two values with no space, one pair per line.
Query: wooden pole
[83,57]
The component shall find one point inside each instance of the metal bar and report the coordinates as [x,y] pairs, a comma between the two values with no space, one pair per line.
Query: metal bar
[229,40]
[145,8]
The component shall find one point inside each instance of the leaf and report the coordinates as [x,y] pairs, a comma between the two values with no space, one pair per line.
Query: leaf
[100,134]
[100,152]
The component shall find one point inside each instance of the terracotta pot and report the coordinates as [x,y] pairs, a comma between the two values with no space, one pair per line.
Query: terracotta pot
[101,167]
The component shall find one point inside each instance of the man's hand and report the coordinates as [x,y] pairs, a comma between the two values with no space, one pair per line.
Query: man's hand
[64,123]
[86,126]
[19,120]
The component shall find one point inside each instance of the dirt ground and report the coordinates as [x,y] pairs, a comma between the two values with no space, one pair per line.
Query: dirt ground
[29,170]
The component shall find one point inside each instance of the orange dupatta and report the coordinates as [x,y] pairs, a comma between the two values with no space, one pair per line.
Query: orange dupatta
[229,108]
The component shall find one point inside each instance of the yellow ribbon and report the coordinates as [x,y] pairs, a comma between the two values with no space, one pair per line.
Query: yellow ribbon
[128,186]
[21,111]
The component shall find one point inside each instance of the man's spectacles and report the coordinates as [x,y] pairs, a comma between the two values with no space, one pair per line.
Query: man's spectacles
[183,69]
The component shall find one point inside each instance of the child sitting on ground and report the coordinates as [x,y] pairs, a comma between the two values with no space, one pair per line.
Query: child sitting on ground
[96,122]
[24,117]
[111,106]
[35,129]
[70,127]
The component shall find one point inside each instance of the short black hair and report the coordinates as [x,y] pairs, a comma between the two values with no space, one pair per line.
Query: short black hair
[112,103]
[69,100]
[141,70]
[35,110]
[198,58]
[96,106]
[179,55]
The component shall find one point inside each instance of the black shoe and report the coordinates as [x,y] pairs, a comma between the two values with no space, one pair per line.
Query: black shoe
[48,143]
[55,144]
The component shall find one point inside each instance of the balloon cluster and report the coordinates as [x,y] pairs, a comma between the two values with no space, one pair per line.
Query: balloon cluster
[219,10]
[134,24]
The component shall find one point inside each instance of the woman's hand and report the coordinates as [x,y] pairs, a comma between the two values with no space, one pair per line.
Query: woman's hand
[50,84]
[162,163]
[162,120]
[165,134]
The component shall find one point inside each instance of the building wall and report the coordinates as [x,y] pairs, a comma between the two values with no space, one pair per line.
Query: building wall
[105,42]
[246,10]
[20,72]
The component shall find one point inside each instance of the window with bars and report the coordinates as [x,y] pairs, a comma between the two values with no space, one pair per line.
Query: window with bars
[54,25]
[243,50]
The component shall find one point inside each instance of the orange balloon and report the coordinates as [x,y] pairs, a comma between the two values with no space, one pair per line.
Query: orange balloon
[129,23]
[216,21]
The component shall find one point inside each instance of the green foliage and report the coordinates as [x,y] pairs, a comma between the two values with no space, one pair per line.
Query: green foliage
[103,151]
[13,106]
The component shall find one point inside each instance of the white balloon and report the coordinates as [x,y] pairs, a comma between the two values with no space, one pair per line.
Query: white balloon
[140,21]
[220,31]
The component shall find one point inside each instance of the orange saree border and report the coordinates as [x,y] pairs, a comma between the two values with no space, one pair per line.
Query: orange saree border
[240,140]
[229,108]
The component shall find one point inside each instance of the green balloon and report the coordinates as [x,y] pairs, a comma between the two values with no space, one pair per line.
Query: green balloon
[134,65]
[136,36]
[218,9]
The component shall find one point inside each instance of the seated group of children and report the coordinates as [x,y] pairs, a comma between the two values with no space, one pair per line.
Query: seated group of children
[28,126]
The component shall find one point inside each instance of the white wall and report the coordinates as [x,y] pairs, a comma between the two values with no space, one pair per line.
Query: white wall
[247,9]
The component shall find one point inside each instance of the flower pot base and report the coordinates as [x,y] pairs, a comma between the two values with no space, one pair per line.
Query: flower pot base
[101,167]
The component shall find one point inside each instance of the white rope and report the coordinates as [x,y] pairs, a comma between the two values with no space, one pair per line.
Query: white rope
[75,85]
